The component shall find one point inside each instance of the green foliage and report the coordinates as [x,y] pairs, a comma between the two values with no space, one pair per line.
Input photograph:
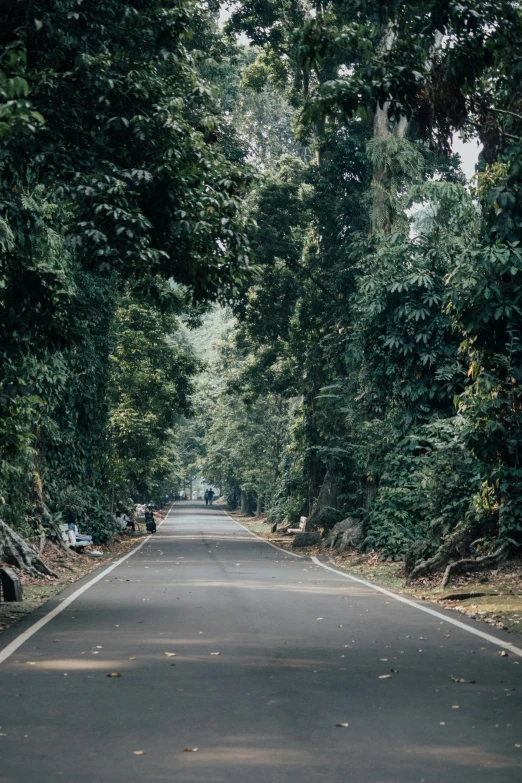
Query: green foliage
[149,389]
[372,349]
[113,182]
[426,489]
[236,440]
[16,111]
[386,300]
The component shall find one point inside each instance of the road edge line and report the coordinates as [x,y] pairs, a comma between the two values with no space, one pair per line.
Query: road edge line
[9,649]
[274,546]
[486,636]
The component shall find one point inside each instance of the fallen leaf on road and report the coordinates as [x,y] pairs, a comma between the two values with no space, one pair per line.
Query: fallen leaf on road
[518,745]
[461,679]
[216,653]
[99,647]
[31,663]
[138,752]
[442,723]
[320,618]
[170,655]
[455,706]
[384,676]
[190,750]
[503,653]
[383,660]
[342,725]
[133,658]
[114,674]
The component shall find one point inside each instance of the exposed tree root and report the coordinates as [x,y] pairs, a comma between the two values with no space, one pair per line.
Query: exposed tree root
[475,564]
[16,552]
[453,556]
[454,545]
[344,534]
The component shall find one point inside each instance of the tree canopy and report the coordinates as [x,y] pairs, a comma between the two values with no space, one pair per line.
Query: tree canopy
[260,263]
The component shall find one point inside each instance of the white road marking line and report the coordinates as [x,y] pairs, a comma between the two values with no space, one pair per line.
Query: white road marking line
[274,546]
[488,637]
[23,637]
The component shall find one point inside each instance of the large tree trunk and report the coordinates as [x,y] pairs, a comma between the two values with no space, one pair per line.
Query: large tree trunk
[259,505]
[381,216]
[244,502]
[325,512]
[16,552]
[48,528]
[369,492]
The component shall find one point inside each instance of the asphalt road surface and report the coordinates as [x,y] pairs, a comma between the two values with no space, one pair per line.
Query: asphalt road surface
[266,654]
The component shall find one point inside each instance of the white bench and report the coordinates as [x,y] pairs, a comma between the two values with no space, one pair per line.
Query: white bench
[69,538]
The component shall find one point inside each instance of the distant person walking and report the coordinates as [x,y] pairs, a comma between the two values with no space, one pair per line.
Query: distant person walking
[210,492]
[206,496]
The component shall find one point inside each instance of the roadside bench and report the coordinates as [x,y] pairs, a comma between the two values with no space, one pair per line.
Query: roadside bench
[69,539]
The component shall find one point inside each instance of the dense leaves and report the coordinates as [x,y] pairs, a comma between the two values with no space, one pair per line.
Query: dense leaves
[113,182]
[369,361]
[386,307]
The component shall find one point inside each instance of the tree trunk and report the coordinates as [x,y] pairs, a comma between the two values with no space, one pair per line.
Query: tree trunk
[369,491]
[449,548]
[447,557]
[48,528]
[16,552]
[381,217]
[244,502]
[259,505]
[475,564]
[401,128]
[325,510]
[379,210]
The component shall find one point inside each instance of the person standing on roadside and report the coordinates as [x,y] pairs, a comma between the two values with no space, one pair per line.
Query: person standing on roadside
[210,493]
[206,497]
[150,522]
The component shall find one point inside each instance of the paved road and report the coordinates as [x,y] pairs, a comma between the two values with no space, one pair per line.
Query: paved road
[300,650]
